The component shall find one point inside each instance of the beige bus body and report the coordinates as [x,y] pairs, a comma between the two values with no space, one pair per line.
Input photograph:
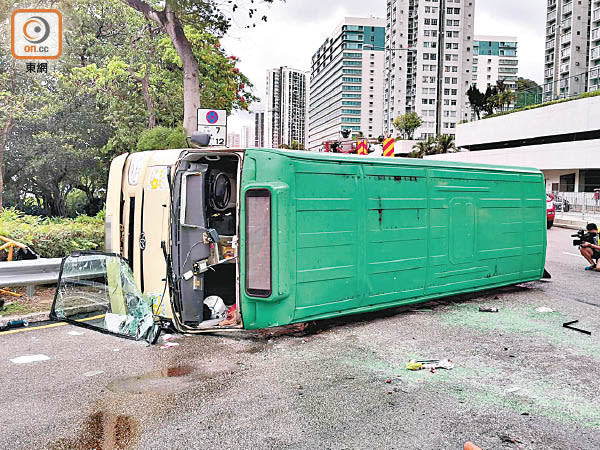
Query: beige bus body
[138,219]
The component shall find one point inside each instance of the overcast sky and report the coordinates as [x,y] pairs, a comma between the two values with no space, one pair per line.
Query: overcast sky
[296,29]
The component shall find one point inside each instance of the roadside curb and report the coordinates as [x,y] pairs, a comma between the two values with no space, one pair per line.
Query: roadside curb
[31,317]
[570,224]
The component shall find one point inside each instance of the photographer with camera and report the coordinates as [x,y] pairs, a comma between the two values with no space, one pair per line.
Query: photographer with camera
[588,245]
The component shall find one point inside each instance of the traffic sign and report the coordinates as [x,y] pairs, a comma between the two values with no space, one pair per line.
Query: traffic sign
[213,122]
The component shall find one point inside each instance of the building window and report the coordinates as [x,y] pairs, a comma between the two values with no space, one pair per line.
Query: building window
[589,180]
[567,183]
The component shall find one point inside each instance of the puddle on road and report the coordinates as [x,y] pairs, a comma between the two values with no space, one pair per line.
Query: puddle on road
[155,381]
[102,431]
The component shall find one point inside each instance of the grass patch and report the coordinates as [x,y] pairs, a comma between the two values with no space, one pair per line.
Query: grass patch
[15,308]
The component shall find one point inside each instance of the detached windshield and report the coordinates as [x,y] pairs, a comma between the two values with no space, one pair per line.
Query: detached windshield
[99,291]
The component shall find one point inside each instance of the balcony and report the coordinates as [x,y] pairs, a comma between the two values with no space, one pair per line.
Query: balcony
[595,34]
[565,53]
[596,14]
[550,44]
[564,68]
[550,58]
[551,3]
[551,17]
[595,73]
[595,53]
[564,84]
[566,39]
[567,23]
[548,73]
[567,9]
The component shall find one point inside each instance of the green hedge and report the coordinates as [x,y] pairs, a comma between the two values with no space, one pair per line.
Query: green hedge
[53,238]
[542,105]
[161,138]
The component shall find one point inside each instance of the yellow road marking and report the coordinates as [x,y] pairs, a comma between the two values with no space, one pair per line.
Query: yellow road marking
[51,325]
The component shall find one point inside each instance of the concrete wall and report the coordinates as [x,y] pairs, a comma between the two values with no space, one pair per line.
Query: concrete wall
[569,117]
[564,155]
[553,177]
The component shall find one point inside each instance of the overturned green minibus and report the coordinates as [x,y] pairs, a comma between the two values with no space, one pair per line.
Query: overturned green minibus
[221,239]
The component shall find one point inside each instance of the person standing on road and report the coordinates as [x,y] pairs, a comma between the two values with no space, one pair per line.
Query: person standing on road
[591,251]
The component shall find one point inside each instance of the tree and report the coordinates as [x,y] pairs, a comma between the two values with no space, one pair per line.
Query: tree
[445,144]
[423,148]
[57,149]
[136,75]
[476,100]
[18,97]
[491,100]
[407,123]
[528,93]
[171,16]
[506,98]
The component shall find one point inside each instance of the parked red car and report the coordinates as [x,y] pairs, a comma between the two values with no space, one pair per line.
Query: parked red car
[550,210]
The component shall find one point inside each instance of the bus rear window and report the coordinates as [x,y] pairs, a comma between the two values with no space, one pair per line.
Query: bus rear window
[258,242]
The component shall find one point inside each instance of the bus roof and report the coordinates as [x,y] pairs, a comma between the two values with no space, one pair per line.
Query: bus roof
[322,156]
[170,156]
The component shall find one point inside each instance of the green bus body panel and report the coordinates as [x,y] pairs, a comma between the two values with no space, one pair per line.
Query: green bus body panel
[355,234]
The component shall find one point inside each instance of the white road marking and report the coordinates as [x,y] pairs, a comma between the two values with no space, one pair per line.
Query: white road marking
[29,359]
[572,254]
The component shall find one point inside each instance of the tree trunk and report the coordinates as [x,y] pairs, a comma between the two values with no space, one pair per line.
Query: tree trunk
[172,26]
[5,132]
[145,82]
[191,86]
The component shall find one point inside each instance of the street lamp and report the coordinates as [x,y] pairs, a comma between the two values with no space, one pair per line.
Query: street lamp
[389,77]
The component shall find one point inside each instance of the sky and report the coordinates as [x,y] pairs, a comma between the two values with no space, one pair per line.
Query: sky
[296,29]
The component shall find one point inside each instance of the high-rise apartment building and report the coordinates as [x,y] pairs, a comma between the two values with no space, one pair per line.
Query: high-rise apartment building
[233,140]
[286,105]
[259,129]
[429,63]
[247,137]
[594,64]
[567,48]
[346,82]
[495,59]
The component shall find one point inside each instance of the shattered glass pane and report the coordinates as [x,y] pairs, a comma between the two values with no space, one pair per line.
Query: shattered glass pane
[100,291]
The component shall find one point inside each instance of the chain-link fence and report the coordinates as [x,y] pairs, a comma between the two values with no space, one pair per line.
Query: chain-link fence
[564,87]
[577,202]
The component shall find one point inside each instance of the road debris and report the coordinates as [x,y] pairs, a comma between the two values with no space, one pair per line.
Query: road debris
[29,359]
[512,390]
[75,333]
[488,309]
[13,324]
[93,373]
[471,446]
[544,309]
[169,344]
[430,364]
[573,322]
[509,440]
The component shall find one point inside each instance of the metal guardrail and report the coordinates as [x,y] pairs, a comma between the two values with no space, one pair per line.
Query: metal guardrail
[36,272]
[29,273]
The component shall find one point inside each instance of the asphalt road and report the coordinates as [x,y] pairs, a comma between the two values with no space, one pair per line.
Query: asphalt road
[572,281]
[520,380]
